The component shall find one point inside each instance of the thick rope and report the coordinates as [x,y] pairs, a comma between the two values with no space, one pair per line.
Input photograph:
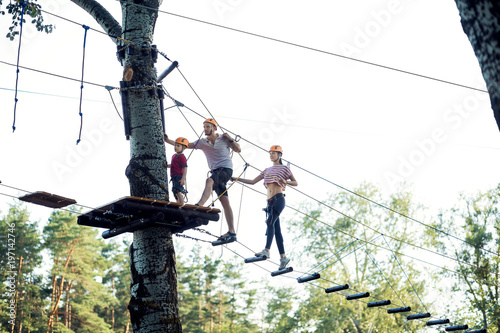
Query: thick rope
[17,66]
[81,84]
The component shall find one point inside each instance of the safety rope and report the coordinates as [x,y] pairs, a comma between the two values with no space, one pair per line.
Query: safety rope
[17,66]
[86,28]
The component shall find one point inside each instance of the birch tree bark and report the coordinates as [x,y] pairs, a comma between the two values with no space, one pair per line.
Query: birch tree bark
[153,305]
[481,23]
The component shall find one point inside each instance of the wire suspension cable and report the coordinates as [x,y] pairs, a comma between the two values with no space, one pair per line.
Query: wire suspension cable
[371,228]
[404,272]
[385,277]
[196,94]
[373,202]
[316,50]
[333,255]
[382,247]
[57,75]
[347,216]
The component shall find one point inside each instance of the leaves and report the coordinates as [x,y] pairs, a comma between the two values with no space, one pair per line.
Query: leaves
[31,9]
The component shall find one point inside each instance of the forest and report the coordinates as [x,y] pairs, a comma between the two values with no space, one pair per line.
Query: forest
[61,277]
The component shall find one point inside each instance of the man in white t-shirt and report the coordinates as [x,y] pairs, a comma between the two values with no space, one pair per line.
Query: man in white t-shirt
[217,149]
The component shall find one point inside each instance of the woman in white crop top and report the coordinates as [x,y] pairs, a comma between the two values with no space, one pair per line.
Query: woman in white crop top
[275,179]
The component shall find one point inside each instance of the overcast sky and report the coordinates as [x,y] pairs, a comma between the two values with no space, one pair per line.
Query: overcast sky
[343,120]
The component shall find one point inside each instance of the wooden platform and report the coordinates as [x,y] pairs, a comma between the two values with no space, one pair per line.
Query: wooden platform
[47,199]
[128,214]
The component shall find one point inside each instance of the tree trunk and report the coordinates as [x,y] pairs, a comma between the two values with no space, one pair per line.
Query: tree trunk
[153,305]
[481,23]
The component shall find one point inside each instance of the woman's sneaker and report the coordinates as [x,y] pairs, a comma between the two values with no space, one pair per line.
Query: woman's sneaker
[263,253]
[283,263]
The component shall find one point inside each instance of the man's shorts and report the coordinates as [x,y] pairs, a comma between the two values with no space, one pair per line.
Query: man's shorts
[176,185]
[221,176]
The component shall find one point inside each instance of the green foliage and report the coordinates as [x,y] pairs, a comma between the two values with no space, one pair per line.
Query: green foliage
[213,295]
[476,219]
[31,10]
[21,249]
[88,284]
[78,265]
[345,232]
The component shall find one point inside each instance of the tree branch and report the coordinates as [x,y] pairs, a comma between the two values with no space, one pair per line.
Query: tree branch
[107,22]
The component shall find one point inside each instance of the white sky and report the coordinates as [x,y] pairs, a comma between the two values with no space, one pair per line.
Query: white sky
[346,121]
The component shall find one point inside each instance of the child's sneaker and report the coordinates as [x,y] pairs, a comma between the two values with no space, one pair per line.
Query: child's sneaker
[283,263]
[263,253]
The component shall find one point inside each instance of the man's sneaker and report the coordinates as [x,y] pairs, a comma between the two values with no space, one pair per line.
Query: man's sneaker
[263,253]
[283,263]
[228,236]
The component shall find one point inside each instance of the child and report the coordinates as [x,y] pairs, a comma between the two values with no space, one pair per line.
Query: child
[178,169]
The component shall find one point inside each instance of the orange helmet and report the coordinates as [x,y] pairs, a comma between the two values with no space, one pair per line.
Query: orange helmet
[276,148]
[211,121]
[182,141]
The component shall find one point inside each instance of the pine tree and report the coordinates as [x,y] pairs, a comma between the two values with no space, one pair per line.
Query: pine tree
[76,292]
[213,295]
[117,279]
[20,242]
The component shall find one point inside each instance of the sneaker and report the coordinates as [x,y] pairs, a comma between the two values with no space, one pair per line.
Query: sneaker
[263,253]
[283,263]
[227,236]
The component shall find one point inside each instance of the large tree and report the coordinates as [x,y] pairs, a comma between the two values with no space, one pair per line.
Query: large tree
[476,218]
[481,23]
[153,305]
[77,266]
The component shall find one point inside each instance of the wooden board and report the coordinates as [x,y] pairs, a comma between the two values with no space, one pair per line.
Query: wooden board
[48,199]
[153,202]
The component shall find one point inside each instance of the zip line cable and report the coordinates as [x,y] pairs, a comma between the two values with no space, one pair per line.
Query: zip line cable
[59,76]
[372,201]
[363,197]
[375,230]
[312,49]
[347,216]
[93,29]
[388,249]
[196,94]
